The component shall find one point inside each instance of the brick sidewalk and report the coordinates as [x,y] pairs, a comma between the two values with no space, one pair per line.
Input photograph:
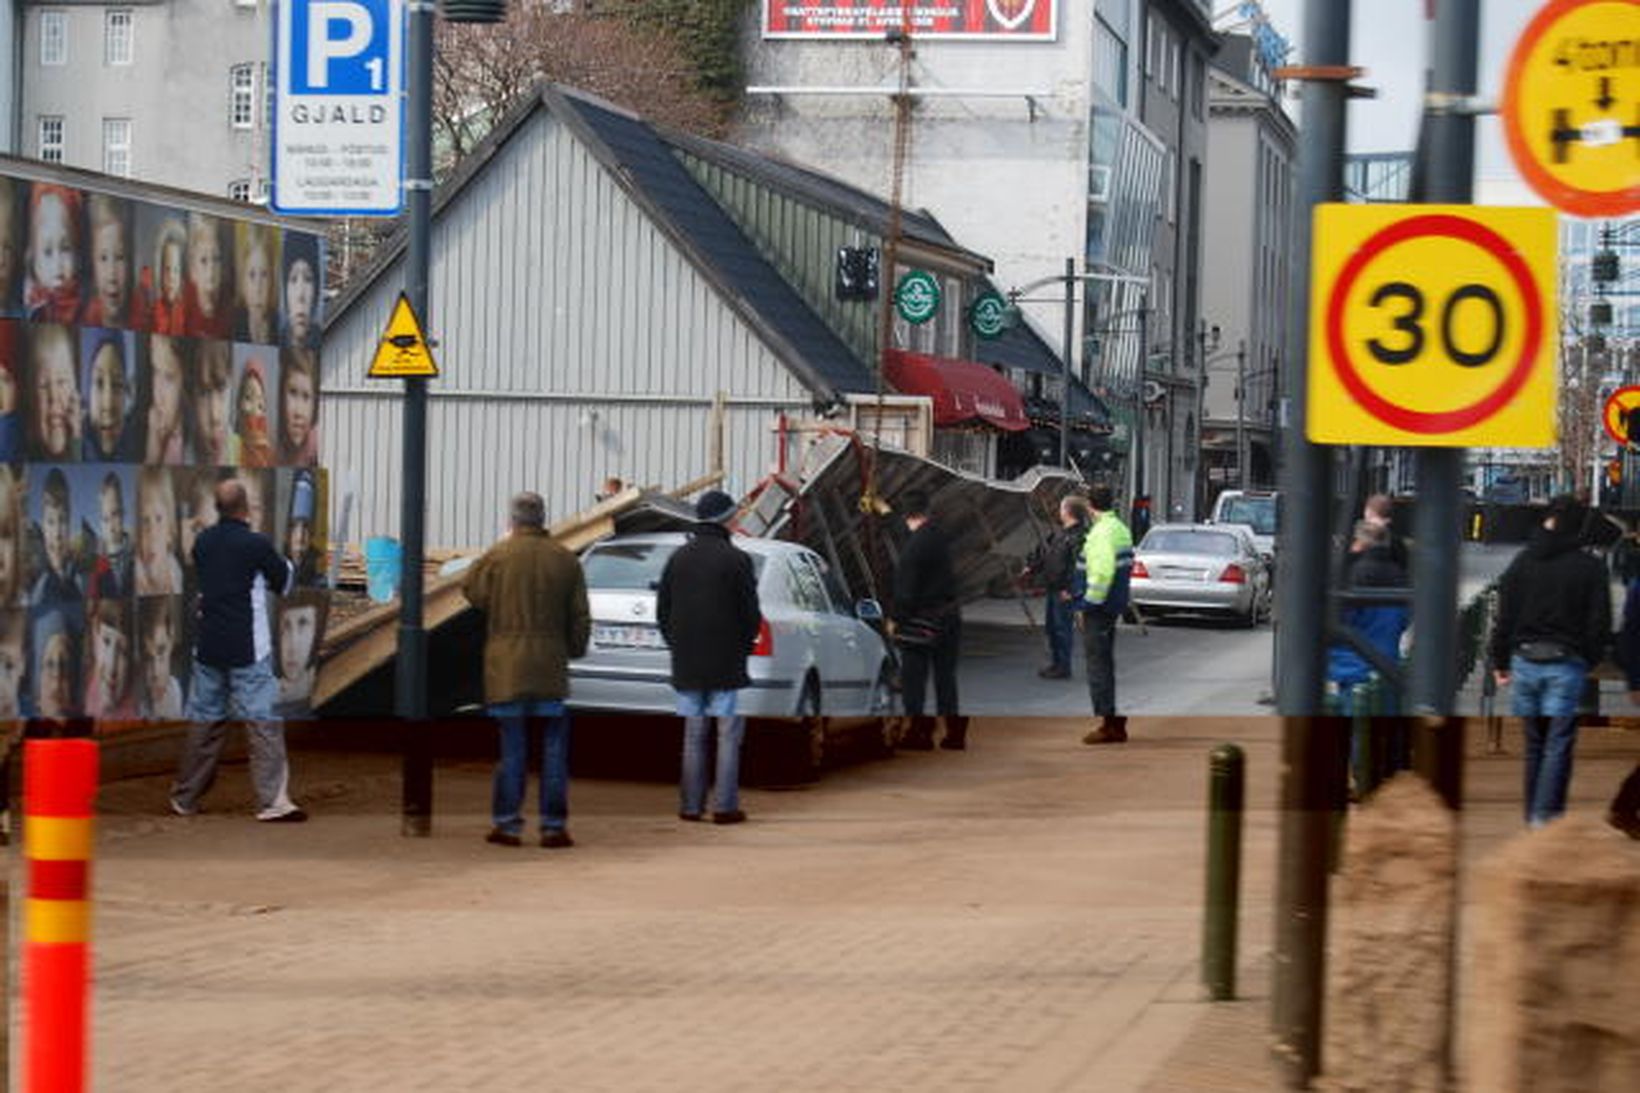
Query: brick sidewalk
[1024,916]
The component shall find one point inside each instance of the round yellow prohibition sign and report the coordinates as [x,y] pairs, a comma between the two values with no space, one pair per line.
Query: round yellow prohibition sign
[1571,106]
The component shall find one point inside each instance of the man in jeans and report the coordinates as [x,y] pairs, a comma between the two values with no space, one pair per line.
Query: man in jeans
[1055,562]
[1554,620]
[233,661]
[534,599]
[707,610]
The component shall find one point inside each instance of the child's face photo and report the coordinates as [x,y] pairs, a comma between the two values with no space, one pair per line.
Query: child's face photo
[170,273]
[54,530]
[253,401]
[56,394]
[165,368]
[157,646]
[301,288]
[57,677]
[54,262]
[108,396]
[298,537]
[211,423]
[201,515]
[11,665]
[111,531]
[298,627]
[157,532]
[110,269]
[110,653]
[205,265]
[298,407]
[256,279]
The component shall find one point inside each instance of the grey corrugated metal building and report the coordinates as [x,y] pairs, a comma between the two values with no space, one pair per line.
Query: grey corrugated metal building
[597,285]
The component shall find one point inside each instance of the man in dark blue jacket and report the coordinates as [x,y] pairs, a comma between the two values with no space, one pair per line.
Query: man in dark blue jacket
[1624,813]
[233,660]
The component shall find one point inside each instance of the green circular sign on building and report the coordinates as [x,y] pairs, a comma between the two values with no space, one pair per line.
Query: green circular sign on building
[988,316]
[917,297]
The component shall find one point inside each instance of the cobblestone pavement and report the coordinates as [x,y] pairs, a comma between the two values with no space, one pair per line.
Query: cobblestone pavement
[1023,916]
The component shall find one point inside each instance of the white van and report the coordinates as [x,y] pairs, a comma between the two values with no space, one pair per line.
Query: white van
[1259,510]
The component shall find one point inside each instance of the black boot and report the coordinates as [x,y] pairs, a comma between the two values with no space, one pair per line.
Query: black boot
[919,736]
[956,733]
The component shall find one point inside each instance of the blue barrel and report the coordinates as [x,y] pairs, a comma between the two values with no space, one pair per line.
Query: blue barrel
[382,558]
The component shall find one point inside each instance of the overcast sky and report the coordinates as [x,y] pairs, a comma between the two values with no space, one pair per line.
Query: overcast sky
[1389,39]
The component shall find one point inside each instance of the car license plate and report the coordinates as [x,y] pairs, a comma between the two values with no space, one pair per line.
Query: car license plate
[628,637]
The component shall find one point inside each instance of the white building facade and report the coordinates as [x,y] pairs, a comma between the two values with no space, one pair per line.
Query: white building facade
[175,92]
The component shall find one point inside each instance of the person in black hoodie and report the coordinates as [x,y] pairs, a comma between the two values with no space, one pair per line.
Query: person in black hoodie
[1554,620]
[1055,562]
[927,627]
[708,612]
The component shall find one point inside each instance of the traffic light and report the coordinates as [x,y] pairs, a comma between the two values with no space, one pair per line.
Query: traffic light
[856,276]
[1600,313]
[1603,270]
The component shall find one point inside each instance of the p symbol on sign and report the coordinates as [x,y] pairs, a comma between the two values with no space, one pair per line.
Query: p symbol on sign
[340,48]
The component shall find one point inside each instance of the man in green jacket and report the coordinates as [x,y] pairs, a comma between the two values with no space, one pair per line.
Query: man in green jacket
[1107,555]
[534,598]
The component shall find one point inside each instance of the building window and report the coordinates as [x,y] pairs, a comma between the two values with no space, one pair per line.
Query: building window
[117,36]
[239,190]
[51,139]
[242,96]
[267,98]
[54,37]
[117,147]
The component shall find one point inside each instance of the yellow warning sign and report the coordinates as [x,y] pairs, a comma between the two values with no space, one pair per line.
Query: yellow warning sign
[403,351]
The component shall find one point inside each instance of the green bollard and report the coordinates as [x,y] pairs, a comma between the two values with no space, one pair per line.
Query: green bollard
[1226,790]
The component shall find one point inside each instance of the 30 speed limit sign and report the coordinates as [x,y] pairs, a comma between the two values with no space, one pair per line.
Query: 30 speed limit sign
[1433,325]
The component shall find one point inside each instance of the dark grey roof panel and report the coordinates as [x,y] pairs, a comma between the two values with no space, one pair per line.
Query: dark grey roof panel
[651,167]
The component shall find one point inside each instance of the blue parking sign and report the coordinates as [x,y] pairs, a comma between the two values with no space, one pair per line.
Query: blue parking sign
[339,47]
[338,147]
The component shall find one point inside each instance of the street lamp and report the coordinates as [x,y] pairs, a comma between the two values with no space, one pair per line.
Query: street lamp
[1069,279]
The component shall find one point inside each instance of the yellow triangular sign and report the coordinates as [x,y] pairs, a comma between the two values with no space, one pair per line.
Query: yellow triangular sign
[403,350]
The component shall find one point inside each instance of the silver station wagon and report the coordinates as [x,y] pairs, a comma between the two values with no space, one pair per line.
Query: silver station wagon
[816,655]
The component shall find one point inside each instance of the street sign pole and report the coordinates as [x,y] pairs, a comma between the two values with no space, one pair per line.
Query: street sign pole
[1310,747]
[1437,521]
[1065,366]
[410,680]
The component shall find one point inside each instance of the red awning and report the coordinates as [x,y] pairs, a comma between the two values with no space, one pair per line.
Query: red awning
[963,391]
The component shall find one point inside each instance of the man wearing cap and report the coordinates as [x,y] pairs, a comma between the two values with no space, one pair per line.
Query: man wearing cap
[708,612]
[536,617]
[233,661]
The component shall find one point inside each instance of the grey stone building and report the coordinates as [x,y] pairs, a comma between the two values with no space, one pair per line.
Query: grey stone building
[168,91]
[1252,144]
[1037,150]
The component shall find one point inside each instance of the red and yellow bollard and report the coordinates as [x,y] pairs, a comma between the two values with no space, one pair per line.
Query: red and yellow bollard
[59,785]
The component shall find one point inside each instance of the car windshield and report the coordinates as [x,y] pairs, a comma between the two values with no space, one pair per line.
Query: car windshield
[1258,513]
[632,567]
[1173,541]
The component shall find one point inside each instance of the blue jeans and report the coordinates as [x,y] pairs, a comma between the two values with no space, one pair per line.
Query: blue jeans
[692,787]
[1546,695]
[1060,623]
[244,694]
[507,794]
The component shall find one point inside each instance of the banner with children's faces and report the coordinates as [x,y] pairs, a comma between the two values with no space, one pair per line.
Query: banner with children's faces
[148,353]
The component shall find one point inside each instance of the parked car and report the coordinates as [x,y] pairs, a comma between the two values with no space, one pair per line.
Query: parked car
[1259,510]
[817,657]
[1211,568]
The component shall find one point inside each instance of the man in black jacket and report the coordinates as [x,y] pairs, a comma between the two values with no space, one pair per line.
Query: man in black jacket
[1055,562]
[708,612]
[233,660]
[927,627]
[1554,620]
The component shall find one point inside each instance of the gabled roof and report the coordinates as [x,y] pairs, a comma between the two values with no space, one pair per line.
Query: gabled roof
[811,187]
[646,167]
